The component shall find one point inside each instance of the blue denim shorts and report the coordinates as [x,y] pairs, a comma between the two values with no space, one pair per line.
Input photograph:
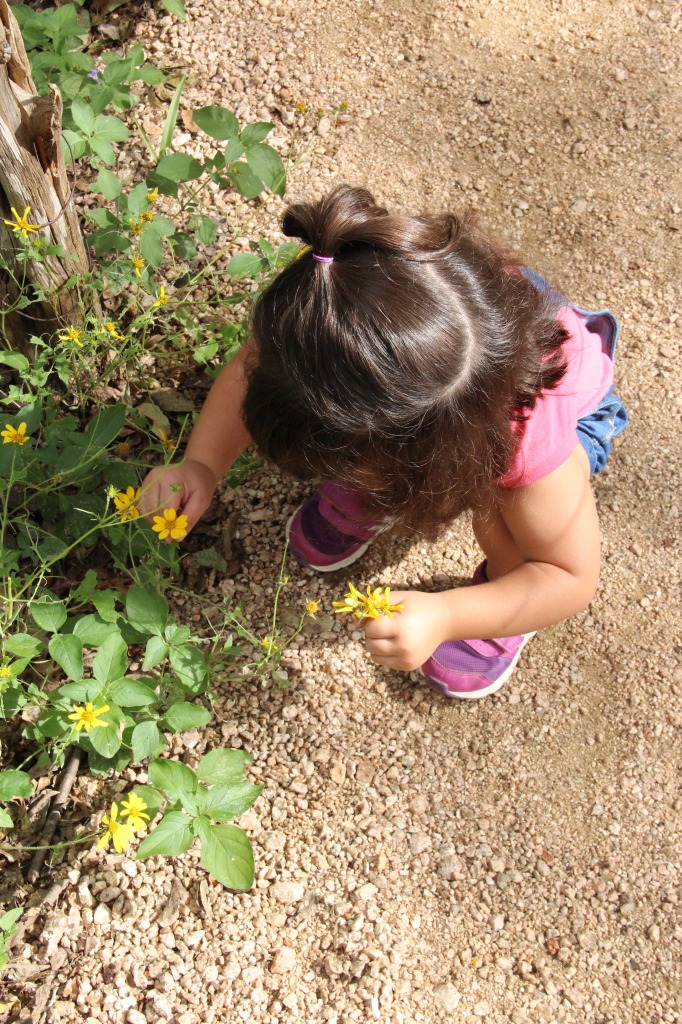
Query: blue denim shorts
[597,429]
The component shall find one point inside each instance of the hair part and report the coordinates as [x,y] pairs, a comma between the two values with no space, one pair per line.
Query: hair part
[398,367]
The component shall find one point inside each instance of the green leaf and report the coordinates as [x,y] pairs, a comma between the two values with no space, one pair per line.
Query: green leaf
[233,150]
[179,167]
[22,645]
[5,822]
[222,803]
[93,631]
[104,150]
[9,919]
[223,767]
[218,122]
[111,661]
[173,777]
[48,613]
[175,7]
[107,184]
[146,741]
[171,117]
[161,226]
[67,651]
[133,693]
[155,652]
[267,164]
[204,227]
[227,854]
[110,129]
[151,247]
[191,666]
[210,558]
[171,837]
[83,116]
[254,133]
[244,180]
[15,784]
[184,246]
[137,200]
[183,716]
[86,588]
[147,611]
[106,426]
[77,693]
[105,603]
[15,360]
[106,741]
[245,264]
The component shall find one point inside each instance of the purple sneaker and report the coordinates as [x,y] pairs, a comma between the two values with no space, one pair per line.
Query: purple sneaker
[471,669]
[329,531]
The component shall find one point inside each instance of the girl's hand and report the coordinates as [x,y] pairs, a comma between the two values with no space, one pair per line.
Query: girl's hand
[407,640]
[187,487]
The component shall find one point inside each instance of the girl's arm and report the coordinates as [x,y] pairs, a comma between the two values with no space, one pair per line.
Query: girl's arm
[553,526]
[218,437]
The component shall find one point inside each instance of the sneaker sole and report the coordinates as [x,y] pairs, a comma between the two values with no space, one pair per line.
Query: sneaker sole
[436,684]
[342,562]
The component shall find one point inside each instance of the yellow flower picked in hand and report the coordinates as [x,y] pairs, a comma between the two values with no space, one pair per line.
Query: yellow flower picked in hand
[86,716]
[126,503]
[133,808]
[122,833]
[14,435]
[170,524]
[371,605]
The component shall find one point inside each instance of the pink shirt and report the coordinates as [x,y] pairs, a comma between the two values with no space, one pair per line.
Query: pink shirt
[549,436]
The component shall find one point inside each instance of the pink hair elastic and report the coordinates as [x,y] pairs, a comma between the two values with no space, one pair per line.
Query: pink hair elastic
[323,259]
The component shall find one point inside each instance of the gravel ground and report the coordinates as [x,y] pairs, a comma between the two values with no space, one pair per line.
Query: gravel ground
[516,859]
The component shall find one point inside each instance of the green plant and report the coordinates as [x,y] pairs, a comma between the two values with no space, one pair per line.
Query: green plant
[8,926]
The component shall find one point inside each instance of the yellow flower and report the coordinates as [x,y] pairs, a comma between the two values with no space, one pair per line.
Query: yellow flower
[138,264]
[170,524]
[5,672]
[312,608]
[123,450]
[20,225]
[167,442]
[121,833]
[133,808]
[343,107]
[152,195]
[162,299]
[147,217]
[86,717]
[71,334]
[269,644]
[300,108]
[14,435]
[126,503]
[111,329]
[135,226]
[371,605]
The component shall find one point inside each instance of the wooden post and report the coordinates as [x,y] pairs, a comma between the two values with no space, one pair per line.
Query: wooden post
[32,173]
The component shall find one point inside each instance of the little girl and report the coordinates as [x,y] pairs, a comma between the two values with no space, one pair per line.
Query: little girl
[420,370]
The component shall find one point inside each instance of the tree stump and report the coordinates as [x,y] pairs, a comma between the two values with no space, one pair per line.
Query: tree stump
[32,173]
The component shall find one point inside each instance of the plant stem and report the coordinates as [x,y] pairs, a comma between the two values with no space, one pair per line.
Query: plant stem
[55,815]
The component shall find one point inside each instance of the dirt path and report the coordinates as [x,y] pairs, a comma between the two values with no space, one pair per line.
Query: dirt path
[517,859]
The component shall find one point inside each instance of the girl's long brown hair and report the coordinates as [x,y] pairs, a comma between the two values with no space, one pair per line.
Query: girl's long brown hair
[399,366]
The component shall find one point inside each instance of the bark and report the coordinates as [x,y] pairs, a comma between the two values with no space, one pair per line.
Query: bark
[32,173]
